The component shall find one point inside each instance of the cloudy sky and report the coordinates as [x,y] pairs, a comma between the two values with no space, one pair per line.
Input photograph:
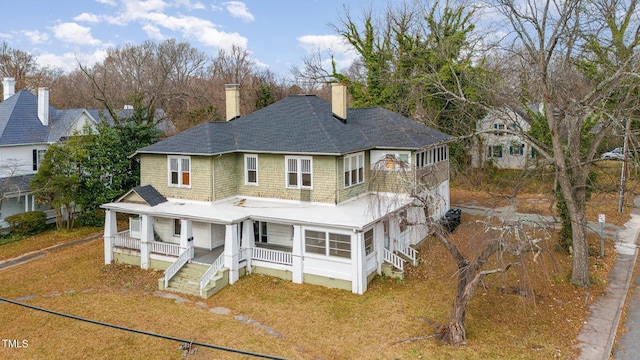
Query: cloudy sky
[277,33]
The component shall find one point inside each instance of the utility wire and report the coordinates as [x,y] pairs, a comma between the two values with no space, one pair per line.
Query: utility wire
[216,347]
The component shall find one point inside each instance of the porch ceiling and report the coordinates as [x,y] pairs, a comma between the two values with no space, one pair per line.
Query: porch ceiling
[353,214]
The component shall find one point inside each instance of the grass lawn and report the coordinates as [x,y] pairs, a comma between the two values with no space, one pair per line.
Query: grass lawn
[279,318]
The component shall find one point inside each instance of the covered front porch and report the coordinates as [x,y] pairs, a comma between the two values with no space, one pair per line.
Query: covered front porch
[340,246]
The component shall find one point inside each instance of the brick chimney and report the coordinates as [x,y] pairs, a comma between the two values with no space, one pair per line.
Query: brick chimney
[232,96]
[9,87]
[43,105]
[339,101]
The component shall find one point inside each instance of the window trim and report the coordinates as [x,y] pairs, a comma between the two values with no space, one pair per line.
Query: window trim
[298,171]
[492,148]
[383,159]
[327,244]
[180,173]
[247,169]
[371,249]
[359,170]
[177,227]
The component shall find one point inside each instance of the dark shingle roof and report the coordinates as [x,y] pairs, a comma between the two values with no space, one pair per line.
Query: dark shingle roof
[149,194]
[302,124]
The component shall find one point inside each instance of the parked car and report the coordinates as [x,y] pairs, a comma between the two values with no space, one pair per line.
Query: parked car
[615,154]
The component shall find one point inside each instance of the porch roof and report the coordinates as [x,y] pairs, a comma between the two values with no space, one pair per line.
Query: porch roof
[355,214]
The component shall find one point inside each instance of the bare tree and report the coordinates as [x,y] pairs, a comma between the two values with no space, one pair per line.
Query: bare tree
[500,245]
[160,75]
[581,63]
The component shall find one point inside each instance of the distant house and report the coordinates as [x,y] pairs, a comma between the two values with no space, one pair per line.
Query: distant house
[284,191]
[499,143]
[28,125]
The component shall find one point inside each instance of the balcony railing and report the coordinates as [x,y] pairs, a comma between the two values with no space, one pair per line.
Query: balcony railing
[274,256]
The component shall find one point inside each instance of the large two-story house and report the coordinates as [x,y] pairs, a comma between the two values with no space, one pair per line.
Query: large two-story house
[286,191]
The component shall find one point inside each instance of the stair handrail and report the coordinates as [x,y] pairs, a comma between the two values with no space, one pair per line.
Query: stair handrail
[394,260]
[409,252]
[183,258]
[211,272]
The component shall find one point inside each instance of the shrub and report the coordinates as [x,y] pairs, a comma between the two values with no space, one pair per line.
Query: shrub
[27,223]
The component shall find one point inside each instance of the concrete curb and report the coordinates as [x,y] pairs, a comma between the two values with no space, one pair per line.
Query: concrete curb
[608,350]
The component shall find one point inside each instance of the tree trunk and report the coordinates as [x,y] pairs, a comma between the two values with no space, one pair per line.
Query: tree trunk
[580,271]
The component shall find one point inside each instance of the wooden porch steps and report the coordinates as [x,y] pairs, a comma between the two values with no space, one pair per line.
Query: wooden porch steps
[187,281]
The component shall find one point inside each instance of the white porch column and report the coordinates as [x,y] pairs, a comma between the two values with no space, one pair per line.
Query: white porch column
[26,203]
[146,237]
[248,242]
[110,230]
[297,255]
[231,248]
[186,234]
[394,232]
[378,244]
[358,262]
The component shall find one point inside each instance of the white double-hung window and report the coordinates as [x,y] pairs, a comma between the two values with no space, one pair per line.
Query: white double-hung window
[298,172]
[251,169]
[180,171]
[353,169]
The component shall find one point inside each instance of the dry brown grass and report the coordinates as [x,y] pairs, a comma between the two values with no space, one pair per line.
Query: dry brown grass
[315,322]
[45,240]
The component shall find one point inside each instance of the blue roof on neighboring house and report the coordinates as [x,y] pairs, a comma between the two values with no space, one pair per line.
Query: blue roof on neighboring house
[302,124]
[19,122]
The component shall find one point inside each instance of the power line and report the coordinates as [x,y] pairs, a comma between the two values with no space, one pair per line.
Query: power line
[118,327]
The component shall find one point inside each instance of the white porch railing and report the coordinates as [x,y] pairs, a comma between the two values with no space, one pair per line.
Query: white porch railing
[173,269]
[274,256]
[165,248]
[211,272]
[409,252]
[122,239]
[394,260]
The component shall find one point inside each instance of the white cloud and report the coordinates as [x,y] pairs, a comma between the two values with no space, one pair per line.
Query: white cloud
[153,32]
[36,36]
[239,10]
[190,5]
[331,43]
[75,34]
[69,61]
[86,17]
[107,2]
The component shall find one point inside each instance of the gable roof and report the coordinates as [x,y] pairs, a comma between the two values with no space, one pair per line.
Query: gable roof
[147,194]
[302,124]
[19,122]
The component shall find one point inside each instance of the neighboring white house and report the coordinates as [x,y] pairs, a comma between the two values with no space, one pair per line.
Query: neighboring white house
[284,191]
[498,141]
[28,126]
